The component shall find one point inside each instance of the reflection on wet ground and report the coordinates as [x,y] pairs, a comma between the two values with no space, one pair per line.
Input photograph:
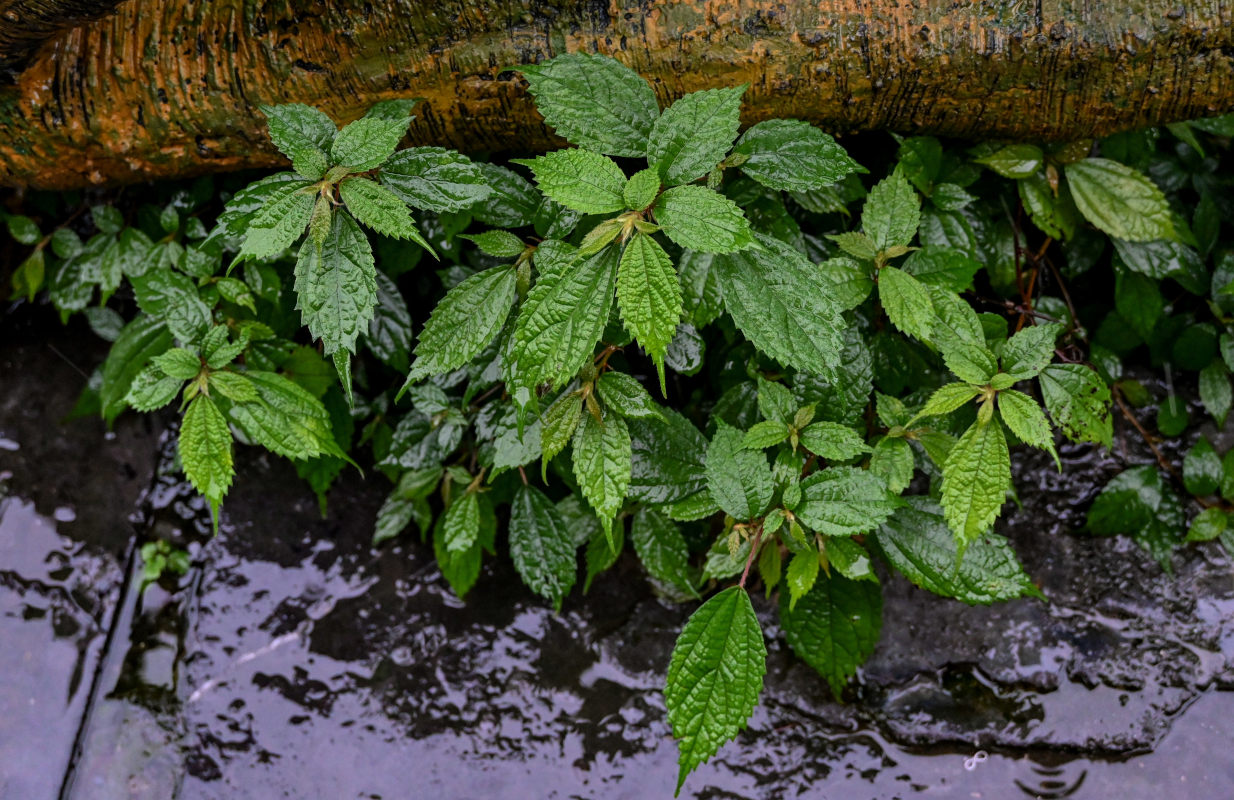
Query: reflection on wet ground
[295,661]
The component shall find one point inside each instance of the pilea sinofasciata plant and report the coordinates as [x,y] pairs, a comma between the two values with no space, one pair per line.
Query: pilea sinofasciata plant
[719,347]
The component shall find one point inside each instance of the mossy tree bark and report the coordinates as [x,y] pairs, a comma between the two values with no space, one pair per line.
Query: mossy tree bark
[167,88]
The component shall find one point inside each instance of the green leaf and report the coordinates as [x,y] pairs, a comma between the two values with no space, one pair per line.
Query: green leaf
[380,209]
[462,522]
[1139,301]
[205,451]
[367,142]
[464,322]
[497,243]
[141,340]
[851,559]
[234,386]
[579,179]
[595,102]
[280,221]
[802,574]
[1078,402]
[389,333]
[1140,503]
[892,212]
[151,390]
[649,296]
[976,477]
[767,433]
[946,399]
[303,134]
[436,179]
[459,568]
[945,267]
[834,627]
[792,155]
[558,425]
[918,543]
[739,480]
[1202,469]
[1119,200]
[714,677]
[1030,350]
[833,441]
[641,189]
[662,549]
[893,461]
[287,419]
[600,555]
[668,459]
[336,285]
[541,547]
[1208,525]
[694,134]
[776,401]
[845,501]
[627,396]
[700,219]
[178,363]
[906,302]
[23,229]
[602,454]
[562,318]
[856,244]
[774,296]
[1015,161]
[1215,390]
[1027,421]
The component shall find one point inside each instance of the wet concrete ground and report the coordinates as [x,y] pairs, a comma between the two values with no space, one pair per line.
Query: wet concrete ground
[295,661]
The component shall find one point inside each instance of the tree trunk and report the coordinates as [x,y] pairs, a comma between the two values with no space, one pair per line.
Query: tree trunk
[169,88]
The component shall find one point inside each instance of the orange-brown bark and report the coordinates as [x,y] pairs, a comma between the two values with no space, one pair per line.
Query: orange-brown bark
[167,88]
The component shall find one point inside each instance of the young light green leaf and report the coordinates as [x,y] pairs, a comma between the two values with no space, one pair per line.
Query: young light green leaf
[918,543]
[141,340]
[462,522]
[303,134]
[1119,200]
[178,363]
[845,501]
[152,389]
[440,180]
[700,219]
[641,189]
[832,441]
[497,243]
[595,102]
[945,267]
[663,551]
[792,155]
[367,142]
[906,302]
[464,322]
[892,460]
[562,318]
[602,454]
[834,627]
[947,399]
[892,212]
[1027,421]
[377,207]
[579,179]
[802,574]
[460,568]
[234,386]
[336,285]
[1030,350]
[976,478]
[767,433]
[558,425]
[715,676]
[774,296]
[205,451]
[627,396]
[1208,525]
[649,296]
[856,244]
[1078,402]
[739,480]
[279,222]
[541,547]
[693,135]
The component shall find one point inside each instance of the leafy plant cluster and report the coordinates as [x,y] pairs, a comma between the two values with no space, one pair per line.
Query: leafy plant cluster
[737,353]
